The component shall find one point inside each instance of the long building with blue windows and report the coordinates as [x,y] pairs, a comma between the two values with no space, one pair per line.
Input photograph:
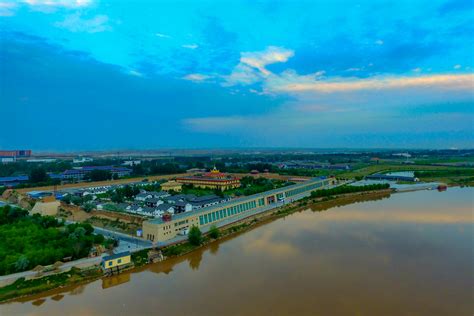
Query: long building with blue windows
[168,227]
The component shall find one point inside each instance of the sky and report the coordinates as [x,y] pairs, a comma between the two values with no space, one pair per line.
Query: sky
[99,75]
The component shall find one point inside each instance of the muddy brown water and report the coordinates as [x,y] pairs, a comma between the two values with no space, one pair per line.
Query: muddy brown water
[407,254]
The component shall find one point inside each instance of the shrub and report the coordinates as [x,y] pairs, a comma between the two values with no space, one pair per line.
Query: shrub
[214,232]
[195,236]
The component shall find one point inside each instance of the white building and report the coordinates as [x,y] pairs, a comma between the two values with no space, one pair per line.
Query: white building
[82,159]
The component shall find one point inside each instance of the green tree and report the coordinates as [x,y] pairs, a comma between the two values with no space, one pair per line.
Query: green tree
[67,199]
[195,236]
[76,200]
[88,207]
[99,175]
[117,198]
[218,192]
[22,263]
[38,175]
[214,232]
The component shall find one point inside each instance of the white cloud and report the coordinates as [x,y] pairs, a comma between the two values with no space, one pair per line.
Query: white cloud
[75,23]
[251,67]
[196,77]
[269,56]
[135,73]
[418,69]
[457,67]
[297,84]
[162,35]
[243,74]
[190,46]
[379,42]
[51,6]
[7,8]
[59,3]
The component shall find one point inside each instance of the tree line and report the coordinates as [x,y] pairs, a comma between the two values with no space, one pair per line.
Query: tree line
[349,189]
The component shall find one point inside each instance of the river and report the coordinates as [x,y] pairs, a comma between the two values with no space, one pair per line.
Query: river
[407,254]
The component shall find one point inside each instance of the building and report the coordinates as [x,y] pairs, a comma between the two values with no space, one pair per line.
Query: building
[165,207]
[82,160]
[153,202]
[143,196]
[116,262]
[43,160]
[392,177]
[195,170]
[206,201]
[168,227]
[7,159]
[79,173]
[171,186]
[182,206]
[13,181]
[131,163]
[211,180]
[15,153]
[8,156]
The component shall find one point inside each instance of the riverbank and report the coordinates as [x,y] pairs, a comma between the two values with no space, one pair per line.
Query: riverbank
[24,288]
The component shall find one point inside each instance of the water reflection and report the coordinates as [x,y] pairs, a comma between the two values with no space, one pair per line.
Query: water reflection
[195,260]
[410,254]
[57,297]
[115,280]
[38,302]
[318,207]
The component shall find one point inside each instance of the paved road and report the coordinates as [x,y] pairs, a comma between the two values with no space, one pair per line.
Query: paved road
[126,242]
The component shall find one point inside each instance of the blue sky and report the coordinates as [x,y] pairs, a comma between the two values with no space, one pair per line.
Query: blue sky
[91,75]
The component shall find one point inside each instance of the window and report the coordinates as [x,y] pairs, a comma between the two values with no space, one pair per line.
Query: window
[119,261]
[110,263]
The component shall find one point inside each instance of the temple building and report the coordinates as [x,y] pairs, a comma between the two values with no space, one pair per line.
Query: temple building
[211,180]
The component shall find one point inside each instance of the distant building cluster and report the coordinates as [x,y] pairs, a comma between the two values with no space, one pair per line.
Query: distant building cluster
[78,174]
[7,156]
[309,165]
[71,175]
[81,159]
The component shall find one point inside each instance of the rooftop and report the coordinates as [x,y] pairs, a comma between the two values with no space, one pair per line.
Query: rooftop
[117,255]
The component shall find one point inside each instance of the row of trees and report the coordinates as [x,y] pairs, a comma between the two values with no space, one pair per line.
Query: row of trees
[349,189]
[31,240]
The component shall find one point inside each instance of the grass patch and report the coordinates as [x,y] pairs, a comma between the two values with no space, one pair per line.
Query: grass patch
[22,287]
